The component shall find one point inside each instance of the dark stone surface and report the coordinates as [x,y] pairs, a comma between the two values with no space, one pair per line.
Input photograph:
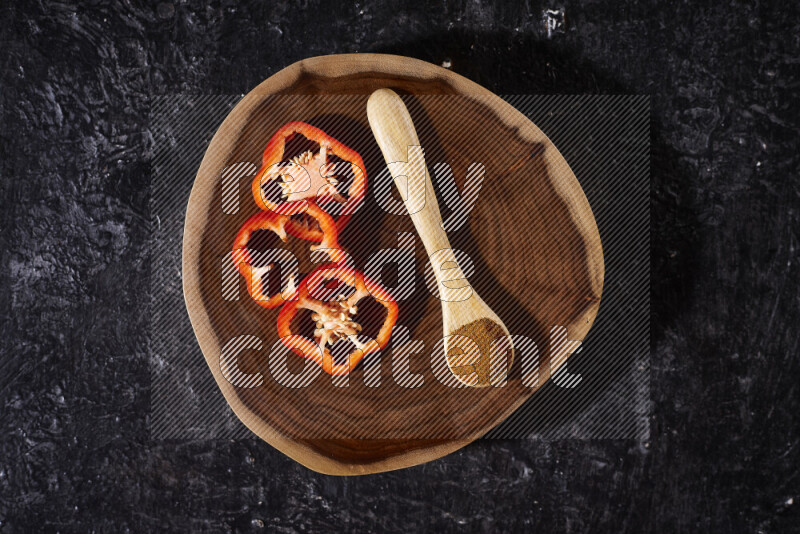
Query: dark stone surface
[74,399]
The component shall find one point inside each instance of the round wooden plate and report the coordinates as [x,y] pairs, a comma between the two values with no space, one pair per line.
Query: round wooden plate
[531,238]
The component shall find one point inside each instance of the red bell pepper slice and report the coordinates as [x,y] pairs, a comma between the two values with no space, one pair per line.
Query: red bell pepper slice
[306,179]
[269,220]
[335,318]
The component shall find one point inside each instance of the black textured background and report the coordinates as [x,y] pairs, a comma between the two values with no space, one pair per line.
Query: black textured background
[724,454]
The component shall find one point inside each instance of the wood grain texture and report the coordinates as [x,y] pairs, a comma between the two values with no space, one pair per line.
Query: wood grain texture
[531,237]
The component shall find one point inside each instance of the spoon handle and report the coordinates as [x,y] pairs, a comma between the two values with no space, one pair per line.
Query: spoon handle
[394,131]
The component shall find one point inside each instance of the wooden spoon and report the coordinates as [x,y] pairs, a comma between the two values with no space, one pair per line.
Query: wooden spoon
[483,361]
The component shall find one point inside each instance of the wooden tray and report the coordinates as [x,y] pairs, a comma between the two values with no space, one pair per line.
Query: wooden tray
[531,236]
